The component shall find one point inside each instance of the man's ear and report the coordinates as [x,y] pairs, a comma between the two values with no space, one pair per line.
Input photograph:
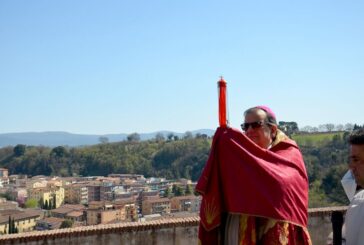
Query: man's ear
[273,131]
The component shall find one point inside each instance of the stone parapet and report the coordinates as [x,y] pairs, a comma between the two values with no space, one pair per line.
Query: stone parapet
[164,231]
[133,232]
[314,212]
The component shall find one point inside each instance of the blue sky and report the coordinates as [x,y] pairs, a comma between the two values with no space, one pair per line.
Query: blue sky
[142,66]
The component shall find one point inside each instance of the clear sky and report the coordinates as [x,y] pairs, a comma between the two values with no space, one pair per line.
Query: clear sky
[97,67]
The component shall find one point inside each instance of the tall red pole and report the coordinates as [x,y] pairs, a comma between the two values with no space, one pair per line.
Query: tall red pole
[221,84]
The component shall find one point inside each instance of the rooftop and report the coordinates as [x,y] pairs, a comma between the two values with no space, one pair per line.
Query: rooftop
[27,214]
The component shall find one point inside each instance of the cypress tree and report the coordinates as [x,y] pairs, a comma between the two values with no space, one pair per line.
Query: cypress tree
[13,226]
[9,225]
[41,203]
[54,201]
[46,205]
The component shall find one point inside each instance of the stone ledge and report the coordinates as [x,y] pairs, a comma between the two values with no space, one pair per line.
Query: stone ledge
[314,212]
[103,229]
[131,227]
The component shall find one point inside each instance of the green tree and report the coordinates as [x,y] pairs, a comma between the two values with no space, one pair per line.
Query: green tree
[159,137]
[317,197]
[167,192]
[288,128]
[174,189]
[46,205]
[134,137]
[59,151]
[179,191]
[188,135]
[10,228]
[103,139]
[50,204]
[332,186]
[330,126]
[13,225]
[189,190]
[66,224]
[41,203]
[7,196]
[31,203]
[54,203]
[170,136]
[19,150]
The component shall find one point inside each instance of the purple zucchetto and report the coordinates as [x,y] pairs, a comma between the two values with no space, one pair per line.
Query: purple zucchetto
[267,110]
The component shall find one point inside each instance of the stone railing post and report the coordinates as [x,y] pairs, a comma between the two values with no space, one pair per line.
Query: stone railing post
[337,221]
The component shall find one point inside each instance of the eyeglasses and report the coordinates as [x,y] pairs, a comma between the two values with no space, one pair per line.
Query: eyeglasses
[254,125]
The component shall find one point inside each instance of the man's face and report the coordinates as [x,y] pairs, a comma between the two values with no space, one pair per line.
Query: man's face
[261,135]
[357,163]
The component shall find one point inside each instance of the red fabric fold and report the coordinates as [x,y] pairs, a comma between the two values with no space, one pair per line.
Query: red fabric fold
[241,177]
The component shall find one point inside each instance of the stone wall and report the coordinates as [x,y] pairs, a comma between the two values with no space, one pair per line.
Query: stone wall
[319,223]
[179,231]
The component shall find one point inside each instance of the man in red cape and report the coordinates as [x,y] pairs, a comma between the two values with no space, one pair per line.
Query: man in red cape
[267,189]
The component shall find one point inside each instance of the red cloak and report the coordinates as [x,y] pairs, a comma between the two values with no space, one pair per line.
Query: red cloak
[241,177]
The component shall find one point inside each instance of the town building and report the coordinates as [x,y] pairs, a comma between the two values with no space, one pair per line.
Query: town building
[47,195]
[93,191]
[183,203]
[104,213]
[4,177]
[24,220]
[76,193]
[73,212]
[7,205]
[156,206]
[49,223]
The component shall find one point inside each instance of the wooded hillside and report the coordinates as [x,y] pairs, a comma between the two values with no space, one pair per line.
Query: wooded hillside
[325,156]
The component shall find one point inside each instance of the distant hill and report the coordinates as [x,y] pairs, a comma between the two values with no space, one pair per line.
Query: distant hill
[69,139]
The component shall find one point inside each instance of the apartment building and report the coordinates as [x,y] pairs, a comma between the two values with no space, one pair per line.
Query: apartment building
[104,212]
[183,203]
[147,195]
[4,173]
[93,191]
[76,193]
[47,194]
[18,180]
[4,177]
[156,206]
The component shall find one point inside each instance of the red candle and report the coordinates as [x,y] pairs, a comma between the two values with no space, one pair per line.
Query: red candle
[221,84]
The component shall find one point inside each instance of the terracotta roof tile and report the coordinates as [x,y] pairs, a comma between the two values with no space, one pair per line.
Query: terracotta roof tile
[122,227]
